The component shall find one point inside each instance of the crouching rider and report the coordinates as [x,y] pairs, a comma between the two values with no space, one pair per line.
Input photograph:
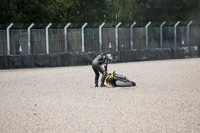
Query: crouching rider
[96,65]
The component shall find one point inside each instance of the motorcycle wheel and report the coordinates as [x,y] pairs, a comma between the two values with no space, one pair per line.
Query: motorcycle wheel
[133,83]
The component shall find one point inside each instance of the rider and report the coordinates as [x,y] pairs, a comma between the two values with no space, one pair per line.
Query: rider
[96,65]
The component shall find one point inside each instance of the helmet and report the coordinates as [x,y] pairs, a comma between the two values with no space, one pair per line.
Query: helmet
[110,58]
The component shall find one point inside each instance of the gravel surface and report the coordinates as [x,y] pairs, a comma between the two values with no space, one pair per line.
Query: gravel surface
[64,99]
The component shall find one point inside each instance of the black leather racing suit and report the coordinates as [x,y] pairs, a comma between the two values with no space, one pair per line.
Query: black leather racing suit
[96,65]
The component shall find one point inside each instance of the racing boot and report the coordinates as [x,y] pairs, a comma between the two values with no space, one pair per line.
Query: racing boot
[103,85]
[96,84]
[102,81]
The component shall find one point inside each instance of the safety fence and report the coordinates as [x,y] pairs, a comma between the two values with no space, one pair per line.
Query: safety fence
[83,40]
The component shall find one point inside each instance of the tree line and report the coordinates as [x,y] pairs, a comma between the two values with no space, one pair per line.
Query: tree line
[94,11]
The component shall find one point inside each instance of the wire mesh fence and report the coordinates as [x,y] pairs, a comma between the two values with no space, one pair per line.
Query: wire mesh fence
[91,40]
[74,40]
[18,42]
[3,42]
[19,39]
[38,40]
[139,38]
[194,36]
[109,38]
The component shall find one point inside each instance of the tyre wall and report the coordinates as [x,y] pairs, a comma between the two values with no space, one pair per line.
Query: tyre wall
[56,60]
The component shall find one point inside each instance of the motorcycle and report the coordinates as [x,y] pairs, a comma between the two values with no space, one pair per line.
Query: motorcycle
[118,80]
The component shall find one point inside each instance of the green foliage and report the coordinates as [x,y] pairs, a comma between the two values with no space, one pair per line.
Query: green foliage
[98,11]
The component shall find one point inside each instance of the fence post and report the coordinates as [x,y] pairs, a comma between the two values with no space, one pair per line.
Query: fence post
[100,36]
[131,35]
[175,33]
[65,30]
[8,38]
[146,27]
[161,34]
[188,33]
[29,38]
[47,38]
[82,33]
[116,35]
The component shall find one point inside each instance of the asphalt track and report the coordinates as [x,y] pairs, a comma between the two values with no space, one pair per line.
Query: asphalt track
[63,99]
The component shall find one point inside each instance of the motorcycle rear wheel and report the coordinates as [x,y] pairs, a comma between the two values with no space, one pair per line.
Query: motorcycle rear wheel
[133,83]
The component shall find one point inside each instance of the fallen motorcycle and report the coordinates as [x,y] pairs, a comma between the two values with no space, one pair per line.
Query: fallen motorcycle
[118,80]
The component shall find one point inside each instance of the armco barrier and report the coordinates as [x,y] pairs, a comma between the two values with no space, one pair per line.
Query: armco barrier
[157,54]
[55,60]
[199,50]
